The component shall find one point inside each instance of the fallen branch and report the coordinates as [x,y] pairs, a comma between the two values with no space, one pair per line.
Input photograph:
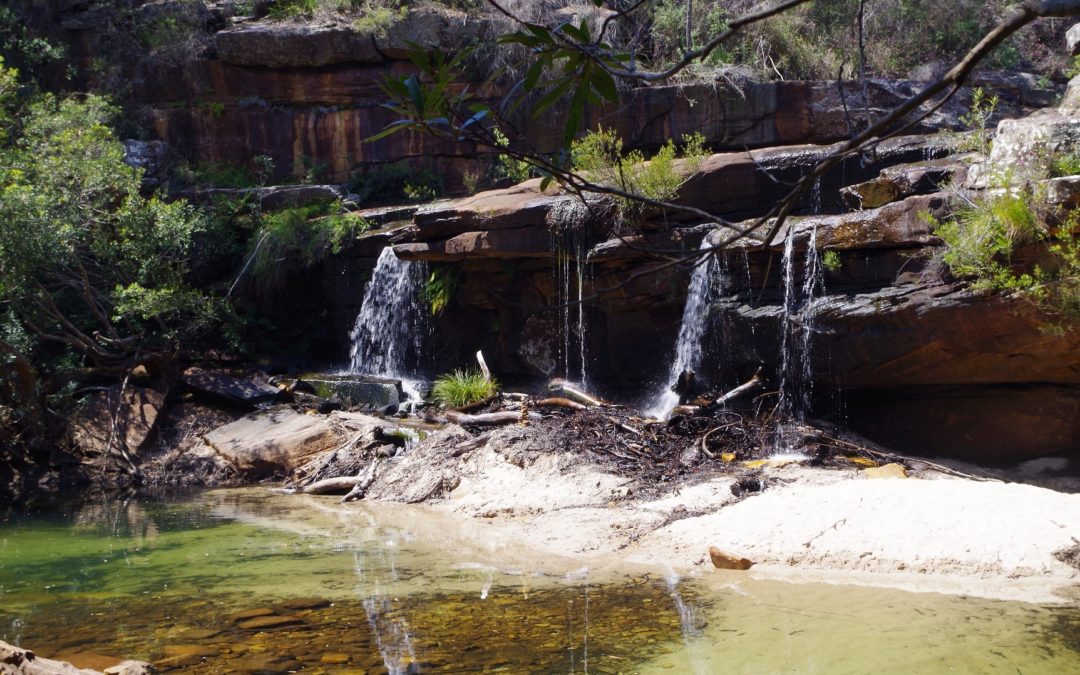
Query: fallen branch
[483,365]
[361,487]
[628,429]
[489,419]
[894,457]
[751,386]
[573,393]
[329,486]
[475,405]
[560,402]
[470,445]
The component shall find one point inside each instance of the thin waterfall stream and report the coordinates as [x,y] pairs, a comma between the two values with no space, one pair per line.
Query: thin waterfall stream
[694,326]
[796,348]
[570,273]
[388,336]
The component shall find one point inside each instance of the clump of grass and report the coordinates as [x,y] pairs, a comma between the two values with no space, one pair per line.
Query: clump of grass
[1065,164]
[462,387]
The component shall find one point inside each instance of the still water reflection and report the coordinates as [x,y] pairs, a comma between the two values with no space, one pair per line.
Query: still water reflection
[250,581]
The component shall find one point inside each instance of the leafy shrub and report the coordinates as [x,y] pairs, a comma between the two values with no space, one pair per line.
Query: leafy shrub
[303,235]
[977,119]
[397,182]
[599,155]
[982,237]
[506,167]
[669,29]
[225,174]
[440,287]
[462,387]
[830,260]
[1065,164]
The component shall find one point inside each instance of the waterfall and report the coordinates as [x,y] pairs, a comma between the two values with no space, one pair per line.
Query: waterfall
[570,271]
[694,323]
[388,337]
[796,365]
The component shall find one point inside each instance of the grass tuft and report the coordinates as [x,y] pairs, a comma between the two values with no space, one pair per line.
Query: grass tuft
[462,387]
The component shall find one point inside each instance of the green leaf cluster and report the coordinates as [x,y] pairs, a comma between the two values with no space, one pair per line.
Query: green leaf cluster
[440,287]
[300,236]
[599,156]
[568,63]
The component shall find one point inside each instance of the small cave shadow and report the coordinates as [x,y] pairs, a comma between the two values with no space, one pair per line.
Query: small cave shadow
[1060,474]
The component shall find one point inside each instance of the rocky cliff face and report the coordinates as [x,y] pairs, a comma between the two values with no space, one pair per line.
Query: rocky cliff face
[891,345]
[306,94]
[916,362]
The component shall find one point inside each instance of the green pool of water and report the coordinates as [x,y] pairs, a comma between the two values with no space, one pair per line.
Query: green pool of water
[249,581]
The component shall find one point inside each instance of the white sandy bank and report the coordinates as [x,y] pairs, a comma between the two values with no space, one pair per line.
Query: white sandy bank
[993,539]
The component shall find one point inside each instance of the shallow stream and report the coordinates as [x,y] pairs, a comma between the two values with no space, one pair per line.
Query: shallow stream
[251,581]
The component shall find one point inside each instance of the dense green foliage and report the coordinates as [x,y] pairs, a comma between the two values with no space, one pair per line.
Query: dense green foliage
[982,238]
[87,260]
[302,235]
[93,272]
[462,387]
[599,155]
[440,287]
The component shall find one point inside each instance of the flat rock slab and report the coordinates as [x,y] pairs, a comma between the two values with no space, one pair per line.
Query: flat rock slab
[277,441]
[306,603]
[223,387]
[124,421]
[18,661]
[251,614]
[269,622]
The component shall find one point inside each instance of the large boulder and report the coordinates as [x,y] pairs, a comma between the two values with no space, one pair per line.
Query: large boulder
[111,421]
[1072,39]
[275,44]
[279,441]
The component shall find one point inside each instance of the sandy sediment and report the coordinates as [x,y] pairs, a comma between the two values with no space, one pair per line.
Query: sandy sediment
[928,532]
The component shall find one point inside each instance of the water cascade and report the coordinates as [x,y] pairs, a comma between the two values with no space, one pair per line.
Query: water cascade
[707,275]
[388,336]
[796,367]
[570,272]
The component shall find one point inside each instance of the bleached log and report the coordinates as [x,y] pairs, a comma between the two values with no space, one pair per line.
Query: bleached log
[327,486]
[361,487]
[751,386]
[573,393]
[489,419]
[560,402]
